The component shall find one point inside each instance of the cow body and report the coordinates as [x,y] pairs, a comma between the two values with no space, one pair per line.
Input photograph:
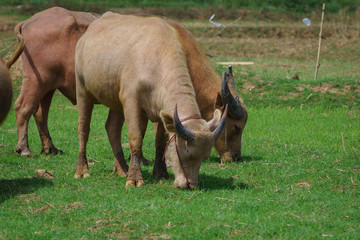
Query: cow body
[38,68]
[5,80]
[48,64]
[136,67]
[5,91]
[207,85]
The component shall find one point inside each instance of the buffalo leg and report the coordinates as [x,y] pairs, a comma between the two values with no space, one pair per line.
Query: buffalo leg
[113,128]
[160,171]
[25,105]
[41,118]
[85,105]
[136,124]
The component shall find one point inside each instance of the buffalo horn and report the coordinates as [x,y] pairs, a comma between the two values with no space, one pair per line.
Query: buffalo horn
[235,109]
[221,125]
[231,79]
[184,133]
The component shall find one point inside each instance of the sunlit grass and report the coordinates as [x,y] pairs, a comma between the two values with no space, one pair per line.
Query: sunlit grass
[295,182]
[298,180]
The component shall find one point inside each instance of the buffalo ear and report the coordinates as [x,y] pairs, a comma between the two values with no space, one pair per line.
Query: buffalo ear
[168,121]
[218,102]
[214,122]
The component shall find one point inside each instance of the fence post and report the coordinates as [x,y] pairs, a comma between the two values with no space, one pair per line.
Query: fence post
[318,55]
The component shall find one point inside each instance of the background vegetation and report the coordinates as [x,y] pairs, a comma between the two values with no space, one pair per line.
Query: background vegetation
[295,6]
[299,178]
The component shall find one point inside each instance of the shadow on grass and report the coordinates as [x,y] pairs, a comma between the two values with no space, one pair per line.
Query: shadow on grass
[13,187]
[250,158]
[213,159]
[211,182]
[206,181]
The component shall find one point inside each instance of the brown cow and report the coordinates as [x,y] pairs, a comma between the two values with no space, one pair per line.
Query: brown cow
[48,64]
[5,80]
[207,87]
[136,67]
[205,81]
[209,96]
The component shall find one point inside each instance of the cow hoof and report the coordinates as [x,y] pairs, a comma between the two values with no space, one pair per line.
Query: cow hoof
[84,175]
[25,153]
[130,183]
[140,183]
[133,183]
[226,158]
[53,151]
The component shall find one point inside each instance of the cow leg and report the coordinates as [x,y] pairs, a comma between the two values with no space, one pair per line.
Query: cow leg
[85,105]
[113,128]
[41,119]
[25,105]
[136,124]
[160,171]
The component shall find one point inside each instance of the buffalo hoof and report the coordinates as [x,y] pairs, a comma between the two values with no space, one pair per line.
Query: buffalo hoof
[52,151]
[227,158]
[84,175]
[134,183]
[82,169]
[25,152]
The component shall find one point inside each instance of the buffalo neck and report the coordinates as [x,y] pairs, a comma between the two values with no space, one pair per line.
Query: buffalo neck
[182,94]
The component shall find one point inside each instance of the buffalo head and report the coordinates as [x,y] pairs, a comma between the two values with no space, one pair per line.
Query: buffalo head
[191,144]
[229,145]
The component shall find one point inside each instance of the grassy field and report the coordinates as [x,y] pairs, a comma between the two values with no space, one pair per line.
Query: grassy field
[299,178]
[333,6]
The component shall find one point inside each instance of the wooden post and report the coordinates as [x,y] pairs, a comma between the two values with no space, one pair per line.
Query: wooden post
[318,55]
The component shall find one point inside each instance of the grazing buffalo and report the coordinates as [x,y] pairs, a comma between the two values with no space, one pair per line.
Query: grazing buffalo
[48,64]
[137,67]
[56,71]
[5,80]
[209,95]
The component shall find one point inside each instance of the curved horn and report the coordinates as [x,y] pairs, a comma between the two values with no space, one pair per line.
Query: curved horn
[184,133]
[235,109]
[231,79]
[221,125]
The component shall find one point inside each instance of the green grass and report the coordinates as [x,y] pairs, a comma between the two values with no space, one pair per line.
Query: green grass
[299,178]
[295,182]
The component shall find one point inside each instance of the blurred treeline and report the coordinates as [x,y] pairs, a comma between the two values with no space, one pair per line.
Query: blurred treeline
[295,6]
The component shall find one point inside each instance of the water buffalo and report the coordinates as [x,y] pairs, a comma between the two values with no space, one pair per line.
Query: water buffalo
[136,66]
[209,95]
[48,64]
[5,80]
[56,22]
